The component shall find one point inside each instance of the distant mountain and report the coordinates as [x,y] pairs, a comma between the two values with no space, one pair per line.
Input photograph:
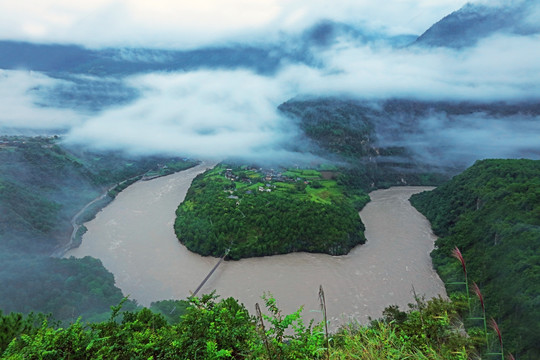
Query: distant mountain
[472,23]
[264,58]
[39,57]
[327,33]
[94,78]
[404,134]
[74,59]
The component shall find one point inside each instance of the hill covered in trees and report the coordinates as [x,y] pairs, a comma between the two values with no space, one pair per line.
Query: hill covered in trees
[42,186]
[257,212]
[491,212]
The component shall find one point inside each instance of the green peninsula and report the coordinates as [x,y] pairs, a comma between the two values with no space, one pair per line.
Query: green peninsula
[258,212]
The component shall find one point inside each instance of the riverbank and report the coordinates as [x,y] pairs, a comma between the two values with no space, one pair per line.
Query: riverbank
[90,210]
[135,240]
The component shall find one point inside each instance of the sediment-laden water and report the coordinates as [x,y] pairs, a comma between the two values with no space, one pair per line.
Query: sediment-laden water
[135,240]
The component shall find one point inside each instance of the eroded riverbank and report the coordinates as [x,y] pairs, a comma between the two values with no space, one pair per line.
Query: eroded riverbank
[135,240]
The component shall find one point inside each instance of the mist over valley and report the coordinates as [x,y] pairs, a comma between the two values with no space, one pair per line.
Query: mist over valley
[221,99]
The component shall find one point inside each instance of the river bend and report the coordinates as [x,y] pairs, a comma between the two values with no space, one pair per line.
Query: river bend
[135,240]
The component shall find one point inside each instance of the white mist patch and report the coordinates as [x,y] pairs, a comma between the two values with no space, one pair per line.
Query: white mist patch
[210,114]
[19,101]
[459,140]
[501,67]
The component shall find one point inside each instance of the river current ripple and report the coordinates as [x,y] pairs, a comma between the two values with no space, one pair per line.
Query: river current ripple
[135,240]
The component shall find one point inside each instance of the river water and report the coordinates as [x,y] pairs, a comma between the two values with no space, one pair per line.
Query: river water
[135,240]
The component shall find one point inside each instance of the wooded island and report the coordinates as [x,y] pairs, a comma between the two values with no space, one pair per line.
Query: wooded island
[257,212]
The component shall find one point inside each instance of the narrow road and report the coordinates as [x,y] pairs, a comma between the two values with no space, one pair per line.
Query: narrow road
[61,251]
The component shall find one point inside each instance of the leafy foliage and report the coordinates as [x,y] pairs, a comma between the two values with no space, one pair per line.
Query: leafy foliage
[288,337]
[212,329]
[491,212]
[216,329]
[13,325]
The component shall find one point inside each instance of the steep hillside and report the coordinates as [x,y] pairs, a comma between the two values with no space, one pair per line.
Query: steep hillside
[409,142]
[491,212]
[74,59]
[353,133]
[42,186]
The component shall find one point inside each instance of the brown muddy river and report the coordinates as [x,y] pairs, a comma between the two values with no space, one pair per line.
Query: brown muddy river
[135,240]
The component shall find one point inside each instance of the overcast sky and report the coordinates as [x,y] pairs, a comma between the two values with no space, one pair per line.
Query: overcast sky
[187,23]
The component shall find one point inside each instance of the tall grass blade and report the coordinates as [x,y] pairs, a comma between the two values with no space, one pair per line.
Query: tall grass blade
[457,254]
[495,327]
[263,330]
[323,308]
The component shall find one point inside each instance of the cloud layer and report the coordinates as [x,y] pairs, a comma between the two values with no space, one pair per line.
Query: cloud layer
[19,97]
[499,67]
[203,114]
[220,113]
[233,113]
[181,24]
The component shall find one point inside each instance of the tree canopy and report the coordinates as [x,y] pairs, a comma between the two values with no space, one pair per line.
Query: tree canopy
[491,212]
[255,213]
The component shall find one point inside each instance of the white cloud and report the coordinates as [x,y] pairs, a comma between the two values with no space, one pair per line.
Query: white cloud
[180,24]
[18,101]
[498,68]
[218,113]
[204,113]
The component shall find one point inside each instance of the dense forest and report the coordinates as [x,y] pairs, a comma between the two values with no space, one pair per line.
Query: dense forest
[256,212]
[42,186]
[209,328]
[491,213]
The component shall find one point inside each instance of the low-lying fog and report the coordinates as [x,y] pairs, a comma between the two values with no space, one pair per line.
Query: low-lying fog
[217,112]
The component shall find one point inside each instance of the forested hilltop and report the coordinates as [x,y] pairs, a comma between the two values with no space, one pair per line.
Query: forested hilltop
[256,212]
[491,212]
[42,186]
[397,142]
